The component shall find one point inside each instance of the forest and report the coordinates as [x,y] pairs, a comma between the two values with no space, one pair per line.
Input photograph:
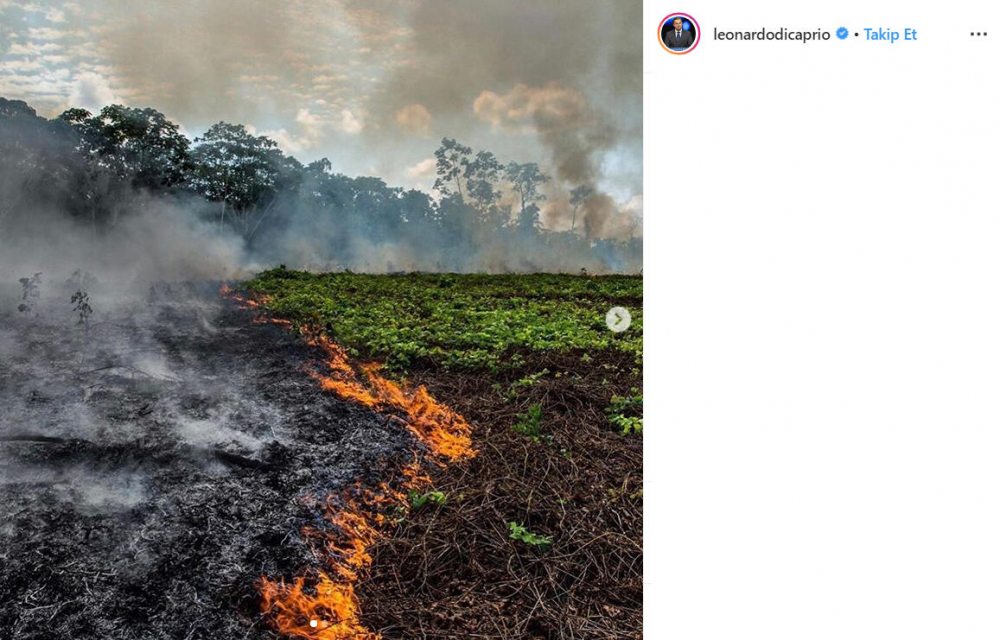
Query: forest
[96,169]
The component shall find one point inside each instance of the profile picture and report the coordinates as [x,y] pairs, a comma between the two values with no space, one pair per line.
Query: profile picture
[679,33]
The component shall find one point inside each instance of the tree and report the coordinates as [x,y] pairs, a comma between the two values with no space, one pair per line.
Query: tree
[527,178]
[240,171]
[38,161]
[481,176]
[452,157]
[137,145]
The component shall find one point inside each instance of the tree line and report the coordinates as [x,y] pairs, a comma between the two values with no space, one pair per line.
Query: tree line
[91,166]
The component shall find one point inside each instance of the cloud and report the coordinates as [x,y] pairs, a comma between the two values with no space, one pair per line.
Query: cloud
[530,80]
[259,79]
[567,73]
[32,49]
[415,119]
[312,128]
[92,91]
[348,122]
[308,121]
[456,51]
[47,33]
[422,170]
[55,15]
[328,79]
[421,175]
[287,142]
[548,108]
[20,66]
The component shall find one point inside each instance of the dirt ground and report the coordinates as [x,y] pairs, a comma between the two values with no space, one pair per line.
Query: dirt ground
[452,571]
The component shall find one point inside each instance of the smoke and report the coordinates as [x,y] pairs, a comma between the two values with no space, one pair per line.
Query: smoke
[137,376]
[378,81]
[378,77]
[575,136]
[455,55]
[61,213]
[155,239]
[544,75]
[567,74]
[415,119]
[79,485]
[191,57]
[560,116]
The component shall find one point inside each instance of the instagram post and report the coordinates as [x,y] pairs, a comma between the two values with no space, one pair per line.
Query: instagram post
[321,319]
[326,320]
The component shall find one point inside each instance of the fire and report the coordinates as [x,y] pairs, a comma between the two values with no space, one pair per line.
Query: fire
[328,610]
[323,606]
[245,303]
[443,431]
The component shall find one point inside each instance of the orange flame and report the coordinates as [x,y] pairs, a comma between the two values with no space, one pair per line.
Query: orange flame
[445,433]
[326,611]
[323,606]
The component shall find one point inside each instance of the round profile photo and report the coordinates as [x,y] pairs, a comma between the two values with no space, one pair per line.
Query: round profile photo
[679,33]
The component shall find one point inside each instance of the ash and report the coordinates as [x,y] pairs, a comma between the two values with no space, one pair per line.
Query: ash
[157,459]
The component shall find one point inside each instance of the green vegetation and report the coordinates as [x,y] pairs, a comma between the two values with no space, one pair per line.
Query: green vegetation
[530,424]
[458,322]
[621,412]
[526,382]
[555,401]
[521,534]
[420,500]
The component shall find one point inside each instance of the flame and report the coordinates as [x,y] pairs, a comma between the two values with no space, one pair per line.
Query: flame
[322,605]
[327,610]
[247,303]
[443,431]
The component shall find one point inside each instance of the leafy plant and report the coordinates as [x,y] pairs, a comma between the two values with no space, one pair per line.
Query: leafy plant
[29,293]
[526,382]
[420,500]
[520,533]
[620,409]
[530,424]
[628,424]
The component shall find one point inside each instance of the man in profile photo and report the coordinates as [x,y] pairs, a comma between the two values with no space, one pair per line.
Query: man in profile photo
[678,38]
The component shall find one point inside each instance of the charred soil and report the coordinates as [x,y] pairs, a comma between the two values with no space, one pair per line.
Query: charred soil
[153,465]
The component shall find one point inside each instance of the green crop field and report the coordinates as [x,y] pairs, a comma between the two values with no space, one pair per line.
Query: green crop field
[457,322]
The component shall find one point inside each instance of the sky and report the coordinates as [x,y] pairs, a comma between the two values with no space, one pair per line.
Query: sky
[372,85]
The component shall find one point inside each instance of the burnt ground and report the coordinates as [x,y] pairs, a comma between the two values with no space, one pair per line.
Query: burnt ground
[452,571]
[151,467]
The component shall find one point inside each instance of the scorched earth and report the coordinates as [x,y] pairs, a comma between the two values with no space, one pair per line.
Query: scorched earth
[160,459]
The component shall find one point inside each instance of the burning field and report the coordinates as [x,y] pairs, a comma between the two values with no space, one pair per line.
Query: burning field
[422,427]
[203,462]
[162,470]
